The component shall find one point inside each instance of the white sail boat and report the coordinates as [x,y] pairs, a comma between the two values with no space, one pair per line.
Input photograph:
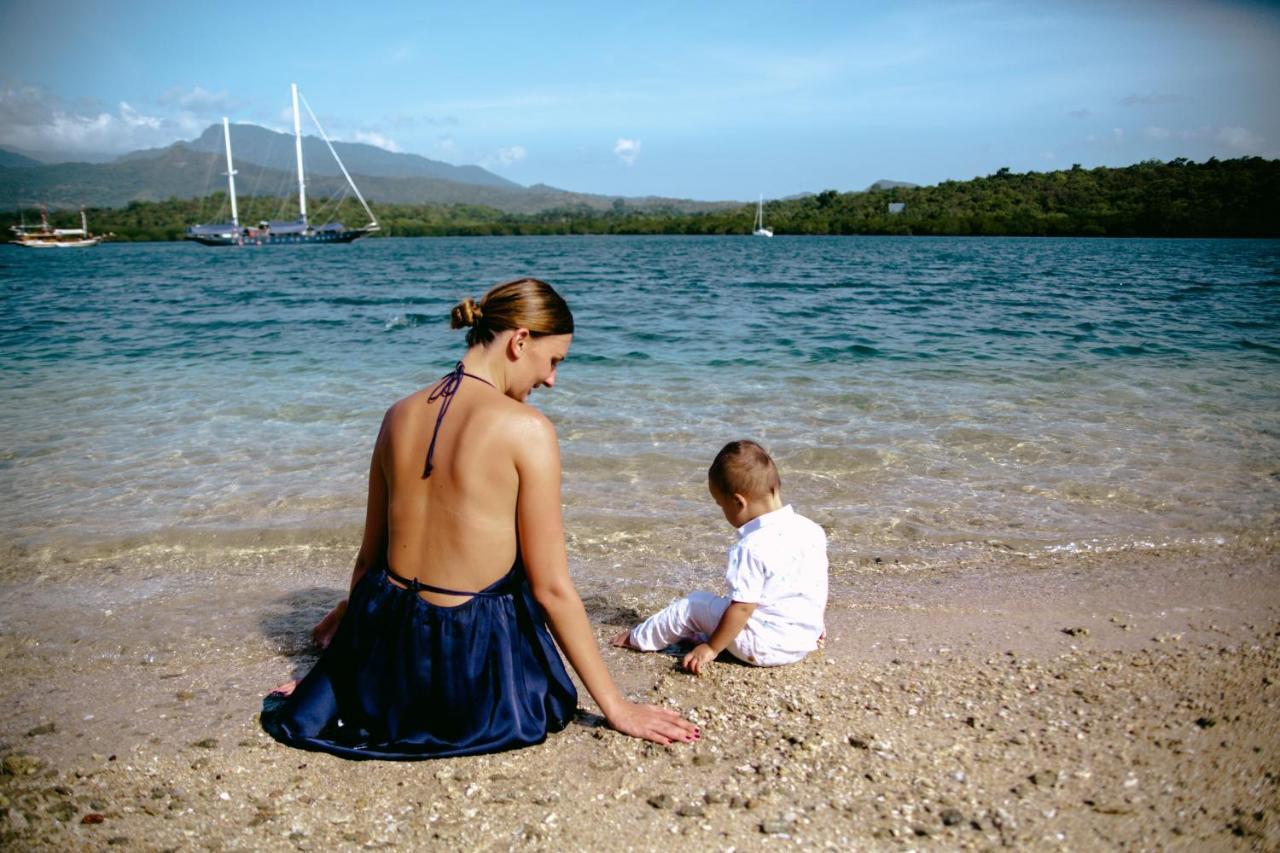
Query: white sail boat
[288,231]
[43,237]
[758,230]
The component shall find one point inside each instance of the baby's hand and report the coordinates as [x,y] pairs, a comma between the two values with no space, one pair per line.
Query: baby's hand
[698,658]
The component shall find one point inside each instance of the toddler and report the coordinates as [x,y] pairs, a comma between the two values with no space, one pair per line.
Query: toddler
[777,576]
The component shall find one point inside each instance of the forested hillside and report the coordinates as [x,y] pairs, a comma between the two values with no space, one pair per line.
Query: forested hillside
[1217,198]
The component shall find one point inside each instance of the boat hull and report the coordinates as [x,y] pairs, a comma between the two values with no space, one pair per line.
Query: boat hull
[268,239]
[57,244]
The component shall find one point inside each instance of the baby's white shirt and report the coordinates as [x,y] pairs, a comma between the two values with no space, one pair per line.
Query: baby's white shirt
[779,564]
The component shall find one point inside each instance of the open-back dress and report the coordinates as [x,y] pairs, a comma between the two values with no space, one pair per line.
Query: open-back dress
[407,679]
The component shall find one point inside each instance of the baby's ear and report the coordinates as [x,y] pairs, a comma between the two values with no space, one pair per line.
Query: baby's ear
[740,500]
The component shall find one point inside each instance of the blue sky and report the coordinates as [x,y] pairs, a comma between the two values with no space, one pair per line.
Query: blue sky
[693,99]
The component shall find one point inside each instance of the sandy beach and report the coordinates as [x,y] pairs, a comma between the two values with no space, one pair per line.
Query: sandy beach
[1125,700]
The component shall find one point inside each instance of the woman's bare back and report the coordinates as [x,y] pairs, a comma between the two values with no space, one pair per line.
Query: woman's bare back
[455,528]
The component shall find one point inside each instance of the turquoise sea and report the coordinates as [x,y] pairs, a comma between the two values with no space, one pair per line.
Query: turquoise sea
[924,397]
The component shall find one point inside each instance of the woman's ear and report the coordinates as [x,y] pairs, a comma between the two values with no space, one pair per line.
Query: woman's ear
[518,343]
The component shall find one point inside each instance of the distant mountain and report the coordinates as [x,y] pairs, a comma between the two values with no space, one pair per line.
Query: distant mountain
[180,171]
[253,144]
[13,160]
[883,184]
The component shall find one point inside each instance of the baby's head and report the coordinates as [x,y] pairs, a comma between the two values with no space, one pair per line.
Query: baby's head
[744,482]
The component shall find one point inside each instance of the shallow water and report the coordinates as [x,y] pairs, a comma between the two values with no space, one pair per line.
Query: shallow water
[923,397]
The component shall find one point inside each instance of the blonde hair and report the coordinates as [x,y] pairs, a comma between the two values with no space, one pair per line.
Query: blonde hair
[744,468]
[522,303]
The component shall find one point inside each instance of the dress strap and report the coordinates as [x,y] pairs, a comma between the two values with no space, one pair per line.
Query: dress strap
[499,587]
[444,390]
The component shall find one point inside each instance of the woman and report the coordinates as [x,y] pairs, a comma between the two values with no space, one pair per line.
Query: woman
[442,648]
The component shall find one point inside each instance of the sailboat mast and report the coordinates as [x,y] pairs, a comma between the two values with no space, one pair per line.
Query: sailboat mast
[297,139]
[231,172]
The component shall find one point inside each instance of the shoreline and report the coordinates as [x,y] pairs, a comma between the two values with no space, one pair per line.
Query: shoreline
[1072,700]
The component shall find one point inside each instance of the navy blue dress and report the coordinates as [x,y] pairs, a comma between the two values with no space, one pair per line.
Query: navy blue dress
[407,679]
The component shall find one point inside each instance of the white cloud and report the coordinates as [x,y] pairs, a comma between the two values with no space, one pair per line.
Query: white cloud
[198,99]
[373,138]
[627,150]
[1117,135]
[1157,133]
[36,120]
[1240,138]
[512,155]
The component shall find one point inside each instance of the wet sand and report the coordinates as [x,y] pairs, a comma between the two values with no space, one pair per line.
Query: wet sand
[1121,700]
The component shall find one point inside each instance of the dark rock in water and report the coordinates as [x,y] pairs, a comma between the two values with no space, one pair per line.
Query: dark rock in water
[661,801]
[43,729]
[1045,778]
[21,765]
[63,811]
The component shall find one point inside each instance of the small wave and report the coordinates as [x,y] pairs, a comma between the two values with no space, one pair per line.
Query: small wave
[1245,343]
[406,321]
[856,352]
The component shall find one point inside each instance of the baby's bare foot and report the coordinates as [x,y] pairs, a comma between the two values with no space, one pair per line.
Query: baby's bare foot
[622,640]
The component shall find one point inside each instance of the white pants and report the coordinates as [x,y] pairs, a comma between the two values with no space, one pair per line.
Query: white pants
[695,617]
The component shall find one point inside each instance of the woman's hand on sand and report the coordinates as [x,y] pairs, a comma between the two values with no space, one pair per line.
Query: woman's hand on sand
[697,659]
[322,633]
[651,722]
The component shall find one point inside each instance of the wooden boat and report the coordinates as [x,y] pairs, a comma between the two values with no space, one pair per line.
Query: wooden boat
[43,237]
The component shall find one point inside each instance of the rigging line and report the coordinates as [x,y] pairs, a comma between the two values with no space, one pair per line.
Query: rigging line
[332,204]
[373,220]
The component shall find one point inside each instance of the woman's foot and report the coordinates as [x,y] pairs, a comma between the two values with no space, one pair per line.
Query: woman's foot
[622,640]
[285,689]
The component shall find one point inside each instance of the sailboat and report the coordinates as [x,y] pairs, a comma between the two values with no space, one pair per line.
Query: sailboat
[43,237]
[291,231]
[758,230]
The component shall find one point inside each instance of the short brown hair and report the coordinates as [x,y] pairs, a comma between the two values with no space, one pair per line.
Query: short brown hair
[744,468]
[522,303]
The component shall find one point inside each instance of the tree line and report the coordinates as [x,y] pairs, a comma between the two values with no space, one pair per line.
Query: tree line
[1180,198]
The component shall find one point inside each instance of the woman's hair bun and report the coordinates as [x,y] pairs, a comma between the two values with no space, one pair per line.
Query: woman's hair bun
[465,313]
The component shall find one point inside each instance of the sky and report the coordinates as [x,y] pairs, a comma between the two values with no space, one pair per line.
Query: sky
[705,100]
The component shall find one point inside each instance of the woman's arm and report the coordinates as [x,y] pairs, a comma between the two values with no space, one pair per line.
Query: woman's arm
[373,546]
[541,530]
